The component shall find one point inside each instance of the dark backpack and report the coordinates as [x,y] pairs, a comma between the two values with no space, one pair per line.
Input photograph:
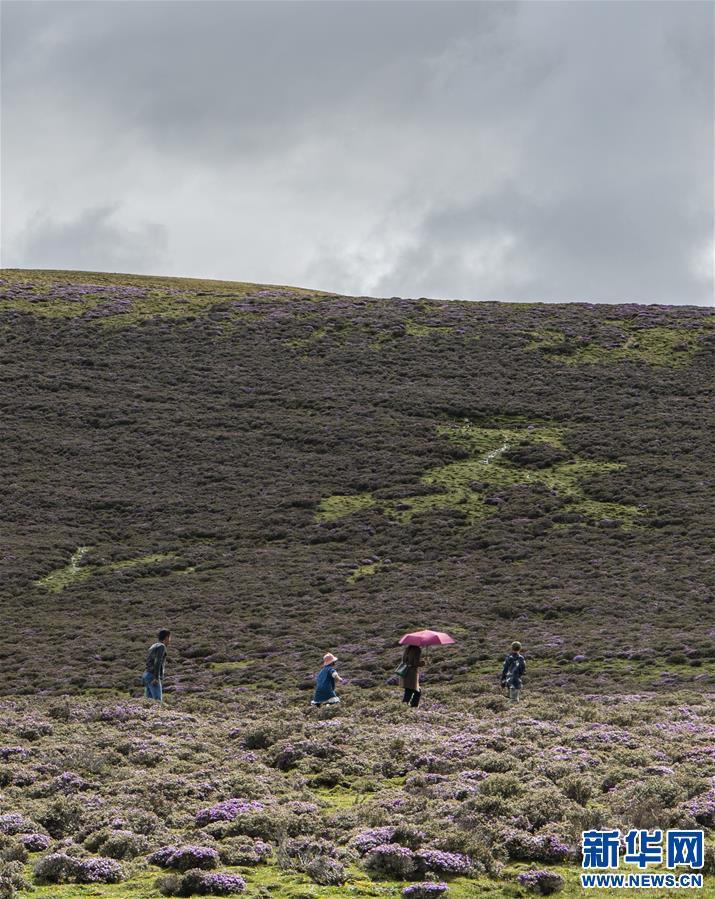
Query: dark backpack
[514,671]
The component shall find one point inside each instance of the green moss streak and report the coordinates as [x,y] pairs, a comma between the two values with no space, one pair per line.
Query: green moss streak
[230,666]
[486,466]
[132,563]
[57,580]
[653,346]
[302,342]
[334,507]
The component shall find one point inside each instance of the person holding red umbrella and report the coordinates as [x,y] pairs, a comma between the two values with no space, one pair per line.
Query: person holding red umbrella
[409,669]
[410,679]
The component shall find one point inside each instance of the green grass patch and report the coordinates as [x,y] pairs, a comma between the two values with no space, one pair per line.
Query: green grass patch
[230,666]
[139,560]
[60,578]
[302,342]
[57,580]
[458,481]
[334,507]
[672,347]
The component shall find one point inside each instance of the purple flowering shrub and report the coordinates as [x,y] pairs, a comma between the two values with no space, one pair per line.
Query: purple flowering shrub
[14,822]
[185,857]
[443,862]
[35,842]
[227,810]
[542,882]
[99,870]
[547,848]
[363,842]
[60,867]
[391,860]
[117,843]
[245,851]
[12,879]
[702,809]
[197,882]
[427,889]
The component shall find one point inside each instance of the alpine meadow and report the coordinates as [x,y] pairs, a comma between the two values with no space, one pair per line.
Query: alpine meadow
[276,473]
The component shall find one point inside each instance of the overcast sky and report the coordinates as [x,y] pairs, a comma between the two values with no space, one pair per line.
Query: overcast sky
[477,150]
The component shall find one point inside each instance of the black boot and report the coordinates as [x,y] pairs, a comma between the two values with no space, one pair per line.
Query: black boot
[415,701]
[408,694]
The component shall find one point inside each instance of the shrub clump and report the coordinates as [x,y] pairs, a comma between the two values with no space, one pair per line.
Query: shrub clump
[12,850]
[62,868]
[13,823]
[443,862]
[35,842]
[369,839]
[542,882]
[227,810]
[119,844]
[425,890]
[326,871]
[702,808]
[12,879]
[244,850]
[200,883]
[546,848]
[184,858]
[391,860]
[62,817]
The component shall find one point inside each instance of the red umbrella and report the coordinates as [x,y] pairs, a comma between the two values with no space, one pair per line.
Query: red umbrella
[426,638]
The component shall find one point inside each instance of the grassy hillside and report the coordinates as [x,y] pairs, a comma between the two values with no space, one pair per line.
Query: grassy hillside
[274,472]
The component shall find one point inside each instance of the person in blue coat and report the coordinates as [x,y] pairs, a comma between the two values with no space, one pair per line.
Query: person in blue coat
[326,681]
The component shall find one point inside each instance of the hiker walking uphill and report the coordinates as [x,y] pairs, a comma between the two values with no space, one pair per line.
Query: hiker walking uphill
[514,668]
[153,677]
[325,682]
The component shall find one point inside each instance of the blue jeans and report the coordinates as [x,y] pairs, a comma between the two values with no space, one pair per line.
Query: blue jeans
[151,691]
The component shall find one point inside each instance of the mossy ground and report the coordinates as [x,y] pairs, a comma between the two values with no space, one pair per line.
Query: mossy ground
[661,346]
[58,580]
[464,485]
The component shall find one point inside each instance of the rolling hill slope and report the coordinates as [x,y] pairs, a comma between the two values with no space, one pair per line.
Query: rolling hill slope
[275,472]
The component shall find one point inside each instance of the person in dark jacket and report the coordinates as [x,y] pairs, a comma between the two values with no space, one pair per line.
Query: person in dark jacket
[153,677]
[325,682]
[513,670]
[410,680]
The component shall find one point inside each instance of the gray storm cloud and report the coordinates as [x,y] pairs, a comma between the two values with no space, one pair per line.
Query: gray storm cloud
[517,151]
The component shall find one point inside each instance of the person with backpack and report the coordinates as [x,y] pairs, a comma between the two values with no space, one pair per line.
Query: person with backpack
[513,670]
[153,677]
[325,682]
